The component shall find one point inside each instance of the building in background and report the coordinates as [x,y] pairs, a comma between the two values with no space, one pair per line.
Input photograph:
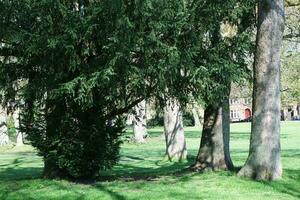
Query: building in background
[240,109]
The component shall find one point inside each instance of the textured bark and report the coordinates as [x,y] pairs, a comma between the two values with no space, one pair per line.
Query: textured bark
[4,139]
[226,132]
[264,162]
[214,147]
[139,122]
[174,133]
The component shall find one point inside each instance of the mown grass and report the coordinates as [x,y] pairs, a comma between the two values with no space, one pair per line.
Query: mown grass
[141,173]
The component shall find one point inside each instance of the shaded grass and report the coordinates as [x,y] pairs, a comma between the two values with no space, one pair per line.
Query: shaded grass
[142,174]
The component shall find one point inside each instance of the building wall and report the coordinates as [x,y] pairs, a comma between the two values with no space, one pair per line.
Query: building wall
[240,109]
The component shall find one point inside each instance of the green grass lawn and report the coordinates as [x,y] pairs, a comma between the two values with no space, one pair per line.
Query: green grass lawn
[141,173]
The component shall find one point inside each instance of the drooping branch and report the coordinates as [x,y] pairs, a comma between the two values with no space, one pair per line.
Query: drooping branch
[126,109]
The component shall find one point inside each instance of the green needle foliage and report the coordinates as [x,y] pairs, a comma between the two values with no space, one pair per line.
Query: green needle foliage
[226,30]
[81,64]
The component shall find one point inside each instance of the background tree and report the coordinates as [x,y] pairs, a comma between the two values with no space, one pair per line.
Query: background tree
[174,132]
[4,139]
[290,68]
[139,122]
[224,51]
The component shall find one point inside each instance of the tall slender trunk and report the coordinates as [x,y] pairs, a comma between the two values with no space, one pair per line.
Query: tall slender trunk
[4,139]
[226,131]
[264,162]
[139,122]
[19,135]
[214,147]
[174,133]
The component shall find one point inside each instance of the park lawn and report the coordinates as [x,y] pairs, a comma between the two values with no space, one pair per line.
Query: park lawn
[142,174]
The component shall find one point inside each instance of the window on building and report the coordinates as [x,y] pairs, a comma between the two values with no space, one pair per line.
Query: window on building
[234,114]
[231,114]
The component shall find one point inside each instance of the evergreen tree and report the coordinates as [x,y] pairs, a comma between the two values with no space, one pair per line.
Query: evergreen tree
[84,64]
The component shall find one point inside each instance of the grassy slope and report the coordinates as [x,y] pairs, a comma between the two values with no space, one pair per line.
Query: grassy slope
[141,173]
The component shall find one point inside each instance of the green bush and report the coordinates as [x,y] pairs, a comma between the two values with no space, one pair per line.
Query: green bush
[158,120]
[188,119]
[77,144]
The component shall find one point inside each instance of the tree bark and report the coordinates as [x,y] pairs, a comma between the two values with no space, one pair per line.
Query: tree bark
[174,133]
[264,162]
[214,147]
[19,134]
[4,139]
[139,122]
[226,131]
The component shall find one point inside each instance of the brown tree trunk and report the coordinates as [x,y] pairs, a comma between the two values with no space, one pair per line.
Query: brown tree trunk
[174,133]
[214,147]
[139,122]
[264,162]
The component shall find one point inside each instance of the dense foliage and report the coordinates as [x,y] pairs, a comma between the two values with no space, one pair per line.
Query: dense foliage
[226,48]
[80,65]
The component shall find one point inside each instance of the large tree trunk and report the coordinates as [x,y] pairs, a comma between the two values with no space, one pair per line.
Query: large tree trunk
[139,122]
[4,139]
[174,133]
[264,162]
[214,147]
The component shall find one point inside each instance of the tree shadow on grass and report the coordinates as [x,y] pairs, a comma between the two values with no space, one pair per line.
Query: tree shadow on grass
[17,174]
[127,172]
[52,189]
[289,185]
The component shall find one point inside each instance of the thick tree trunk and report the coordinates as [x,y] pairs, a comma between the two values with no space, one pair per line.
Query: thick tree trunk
[214,147]
[4,139]
[264,162]
[139,122]
[174,133]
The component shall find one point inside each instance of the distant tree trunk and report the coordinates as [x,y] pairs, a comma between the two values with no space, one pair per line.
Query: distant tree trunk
[264,162]
[295,111]
[19,134]
[174,133]
[214,147]
[139,122]
[4,139]
[196,116]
